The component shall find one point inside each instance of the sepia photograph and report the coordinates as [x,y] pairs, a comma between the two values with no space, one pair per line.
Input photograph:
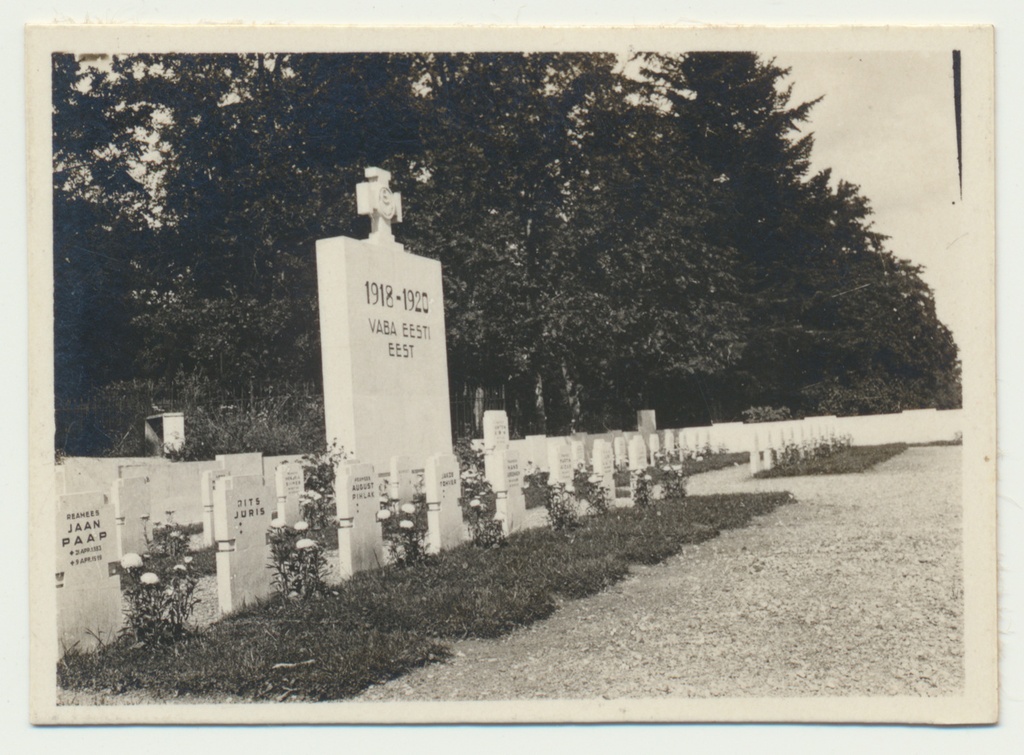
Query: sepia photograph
[512,375]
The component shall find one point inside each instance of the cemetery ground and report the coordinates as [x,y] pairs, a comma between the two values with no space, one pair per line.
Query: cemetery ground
[853,588]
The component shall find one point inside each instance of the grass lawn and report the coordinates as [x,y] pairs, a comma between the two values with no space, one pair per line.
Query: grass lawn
[381,623]
[846,461]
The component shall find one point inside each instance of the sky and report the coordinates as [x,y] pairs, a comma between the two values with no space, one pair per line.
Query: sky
[886,123]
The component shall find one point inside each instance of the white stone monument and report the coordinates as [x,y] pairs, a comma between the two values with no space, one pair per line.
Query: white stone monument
[207,484]
[382,338]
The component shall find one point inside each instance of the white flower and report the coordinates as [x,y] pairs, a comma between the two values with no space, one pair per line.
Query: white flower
[383,515]
[180,567]
[305,543]
[405,524]
[177,533]
[525,485]
[149,578]
[475,503]
[277,523]
[595,478]
[300,526]
[131,561]
[408,508]
[313,494]
[469,473]
[188,559]
[648,477]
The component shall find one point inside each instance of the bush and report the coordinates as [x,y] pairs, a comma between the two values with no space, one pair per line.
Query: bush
[589,491]
[158,605]
[300,569]
[563,510]
[766,414]
[167,539]
[478,501]
[404,526]
[319,502]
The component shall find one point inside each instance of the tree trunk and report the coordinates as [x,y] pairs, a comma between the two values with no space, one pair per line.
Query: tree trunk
[538,391]
[572,398]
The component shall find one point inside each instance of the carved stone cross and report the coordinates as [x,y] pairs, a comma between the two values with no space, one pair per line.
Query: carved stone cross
[375,198]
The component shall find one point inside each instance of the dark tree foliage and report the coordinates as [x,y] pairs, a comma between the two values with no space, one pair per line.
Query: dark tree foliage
[609,241]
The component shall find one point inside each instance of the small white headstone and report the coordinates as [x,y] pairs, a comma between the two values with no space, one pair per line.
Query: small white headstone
[291,484]
[207,484]
[88,585]
[444,515]
[132,503]
[655,444]
[243,508]
[560,468]
[360,543]
[670,442]
[637,453]
[621,454]
[604,466]
[577,454]
[495,430]
[402,482]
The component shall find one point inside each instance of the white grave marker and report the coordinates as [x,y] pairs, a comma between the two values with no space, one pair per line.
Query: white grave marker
[382,339]
[360,542]
[444,515]
[577,454]
[560,469]
[604,466]
[670,443]
[243,508]
[637,453]
[291,484]
[495,430]
[207,484]
[655,444]
[132,502]
[402,481]
[621,455]
[88,585]
[503,471]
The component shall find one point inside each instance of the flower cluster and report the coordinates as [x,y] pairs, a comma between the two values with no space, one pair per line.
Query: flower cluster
[792,453]
[667,475]
[404,526]
[300,568]
[167,539]
[479,502]
[590,493]
[641,487]
[157,607]
[317,500]
[561,504]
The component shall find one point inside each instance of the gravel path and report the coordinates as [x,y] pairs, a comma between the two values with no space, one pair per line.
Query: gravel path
[854,590]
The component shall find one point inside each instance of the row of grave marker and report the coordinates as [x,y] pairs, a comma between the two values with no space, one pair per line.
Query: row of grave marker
[767,443]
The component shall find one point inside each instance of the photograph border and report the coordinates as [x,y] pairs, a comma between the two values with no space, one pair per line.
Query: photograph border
[978,704]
